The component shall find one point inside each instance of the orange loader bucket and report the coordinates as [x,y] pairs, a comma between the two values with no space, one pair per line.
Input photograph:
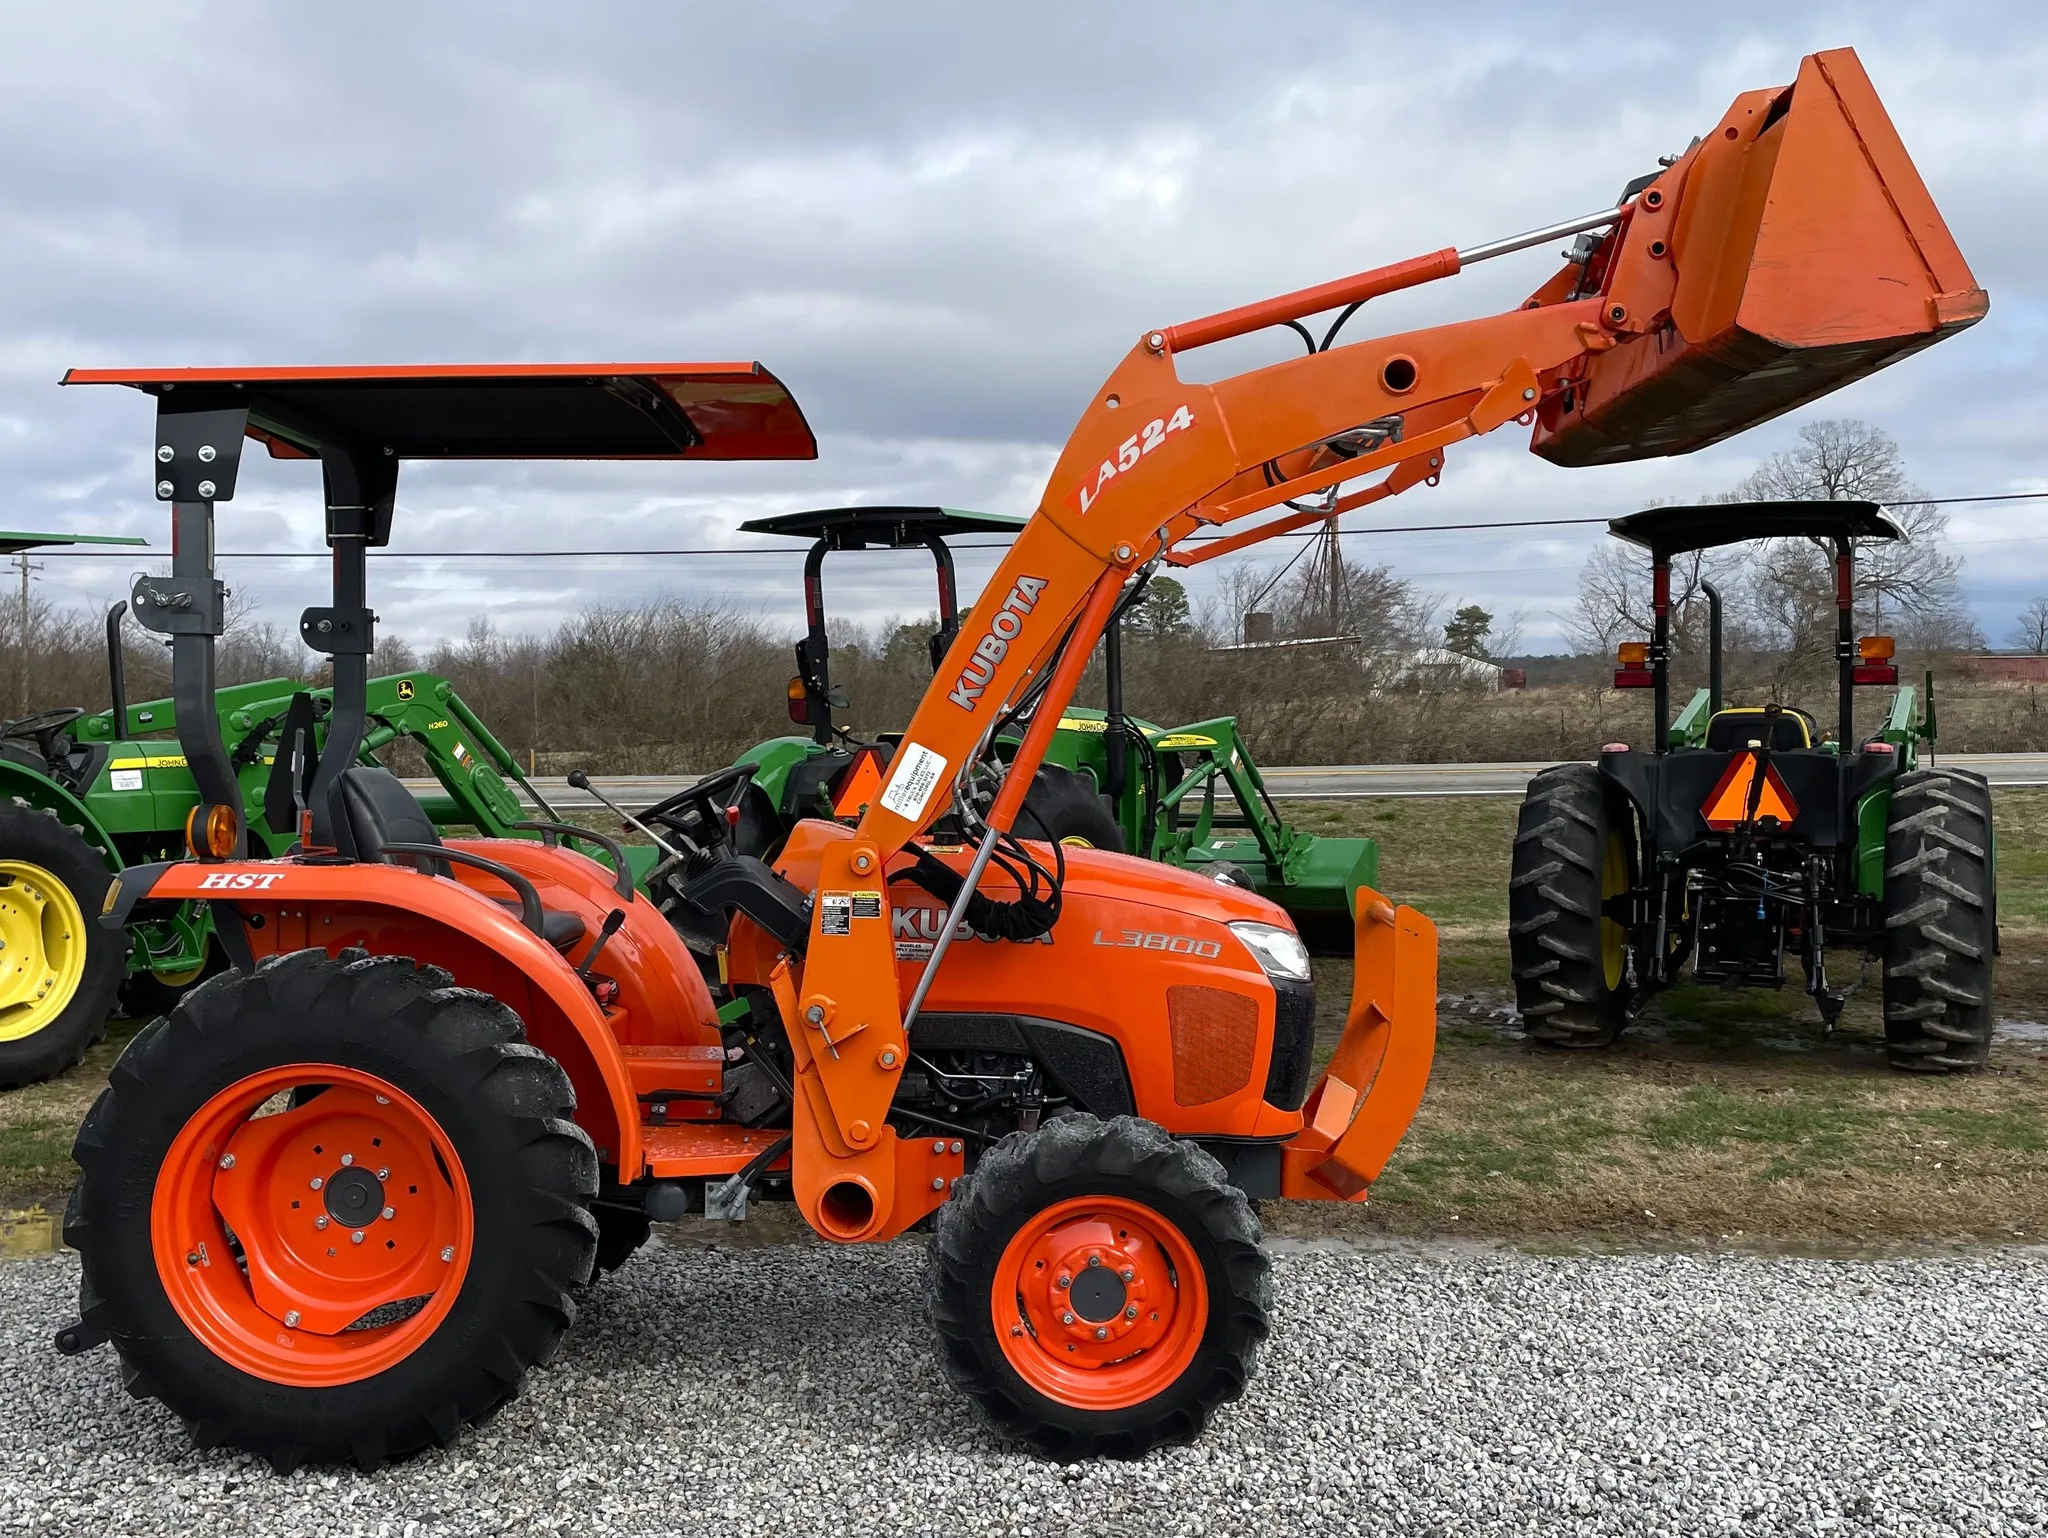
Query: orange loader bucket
[1807,254]
[1359,1108]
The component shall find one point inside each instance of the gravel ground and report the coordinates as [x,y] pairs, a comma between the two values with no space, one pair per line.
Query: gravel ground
[790,1390]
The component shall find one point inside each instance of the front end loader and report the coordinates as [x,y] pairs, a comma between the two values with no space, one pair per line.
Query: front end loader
[338,1201]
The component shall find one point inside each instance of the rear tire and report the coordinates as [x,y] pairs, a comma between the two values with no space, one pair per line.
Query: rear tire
[1147,1357]
[38,851]
[1574,850]
[1062,806]
[1941,922]
[486,1174]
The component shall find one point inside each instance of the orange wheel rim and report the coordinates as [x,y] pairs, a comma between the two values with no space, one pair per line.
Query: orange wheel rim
[320,1243]
[1099,1303]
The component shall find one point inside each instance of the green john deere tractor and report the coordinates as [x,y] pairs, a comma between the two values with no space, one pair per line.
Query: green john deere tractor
[84,795]
[1187,795]
[1749,833]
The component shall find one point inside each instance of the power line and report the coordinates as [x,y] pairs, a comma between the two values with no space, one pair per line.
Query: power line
[796,549]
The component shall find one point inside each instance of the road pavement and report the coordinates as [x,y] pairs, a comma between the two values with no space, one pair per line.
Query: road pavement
[1325,782]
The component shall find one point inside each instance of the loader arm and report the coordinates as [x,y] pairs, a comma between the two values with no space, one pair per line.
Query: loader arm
[1790,251]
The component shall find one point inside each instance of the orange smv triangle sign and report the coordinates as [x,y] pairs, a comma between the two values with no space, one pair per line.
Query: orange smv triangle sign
[860,787]
[1729,800]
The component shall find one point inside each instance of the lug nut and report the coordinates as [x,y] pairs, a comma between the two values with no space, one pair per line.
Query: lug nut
[1065,1281]
[291,1319]
[1128,1274]
[1094,1260]
[1131,1312]
[448,1252]
[1066,1318]
[347,1160]
[1102,1332]
[227,1161]
[317,1182]
[356,1237]
[384,1174]
[390,1213]
[320,1222]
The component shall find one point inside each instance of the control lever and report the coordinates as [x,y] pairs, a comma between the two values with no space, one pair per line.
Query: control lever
[614,921]
[578,780]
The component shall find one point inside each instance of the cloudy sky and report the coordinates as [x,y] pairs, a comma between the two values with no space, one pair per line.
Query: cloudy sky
[940,225]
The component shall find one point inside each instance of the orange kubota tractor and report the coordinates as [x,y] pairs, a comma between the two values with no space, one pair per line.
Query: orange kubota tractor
[339,1201]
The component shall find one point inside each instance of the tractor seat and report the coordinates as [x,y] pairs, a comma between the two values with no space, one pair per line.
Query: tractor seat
[1733,729]
[380,810]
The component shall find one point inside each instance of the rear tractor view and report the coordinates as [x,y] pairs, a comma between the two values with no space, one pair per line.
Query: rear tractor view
[1748,837]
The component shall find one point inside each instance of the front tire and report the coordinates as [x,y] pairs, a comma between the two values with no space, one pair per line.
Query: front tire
[1941,922]
[60,971]
[1098,1287]
[332,1209]
[1574,856]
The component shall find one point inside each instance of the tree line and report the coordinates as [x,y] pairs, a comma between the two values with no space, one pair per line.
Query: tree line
[1348,666]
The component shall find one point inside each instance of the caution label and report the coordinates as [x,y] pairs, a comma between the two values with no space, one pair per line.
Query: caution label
[835,913]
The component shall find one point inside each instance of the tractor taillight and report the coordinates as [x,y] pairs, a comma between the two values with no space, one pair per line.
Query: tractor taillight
[1877,666]
[1634,671]
[799,703]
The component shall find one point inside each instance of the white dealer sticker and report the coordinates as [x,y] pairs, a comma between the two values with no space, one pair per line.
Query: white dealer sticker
[912,779]
[126,779]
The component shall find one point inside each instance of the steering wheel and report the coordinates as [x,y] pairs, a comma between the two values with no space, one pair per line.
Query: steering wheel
[699,812]
[42,726]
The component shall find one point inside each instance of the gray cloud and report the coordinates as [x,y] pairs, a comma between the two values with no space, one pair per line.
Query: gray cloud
[940,225]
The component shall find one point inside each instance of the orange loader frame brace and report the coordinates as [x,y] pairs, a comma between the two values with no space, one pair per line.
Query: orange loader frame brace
[1790,251]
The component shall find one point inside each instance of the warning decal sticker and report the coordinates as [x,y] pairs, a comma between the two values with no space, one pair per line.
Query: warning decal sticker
[835,913]
[915,775]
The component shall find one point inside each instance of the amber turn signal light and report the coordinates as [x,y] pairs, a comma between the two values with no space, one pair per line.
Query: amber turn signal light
[1633,654]
[214,838]
[1876,648]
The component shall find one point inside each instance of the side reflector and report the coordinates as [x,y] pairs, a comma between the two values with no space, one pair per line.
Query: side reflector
[214,837]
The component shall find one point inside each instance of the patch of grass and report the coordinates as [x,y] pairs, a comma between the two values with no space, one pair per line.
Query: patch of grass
[1719,1113]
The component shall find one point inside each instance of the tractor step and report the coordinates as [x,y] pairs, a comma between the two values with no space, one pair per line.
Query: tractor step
[704,1150]
[682,1071]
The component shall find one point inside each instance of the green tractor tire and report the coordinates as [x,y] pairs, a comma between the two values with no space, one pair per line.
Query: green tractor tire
[1940,922]
[1574,850]
[1063,807]
[59,969]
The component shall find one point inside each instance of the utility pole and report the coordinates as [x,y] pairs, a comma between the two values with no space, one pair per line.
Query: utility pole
[21,643]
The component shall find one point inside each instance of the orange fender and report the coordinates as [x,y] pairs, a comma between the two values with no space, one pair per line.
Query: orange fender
[291,905]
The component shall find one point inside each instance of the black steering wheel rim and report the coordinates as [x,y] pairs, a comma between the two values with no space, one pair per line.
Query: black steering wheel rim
[709,799]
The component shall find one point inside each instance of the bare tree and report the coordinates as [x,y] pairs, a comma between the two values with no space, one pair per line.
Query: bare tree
[2032,632]
[1839,461]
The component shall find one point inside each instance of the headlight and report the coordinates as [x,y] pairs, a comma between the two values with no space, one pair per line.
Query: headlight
[1279,951]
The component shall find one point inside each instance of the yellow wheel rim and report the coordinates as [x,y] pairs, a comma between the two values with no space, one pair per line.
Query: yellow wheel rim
[1076,841]
[1613,936]
[42,948]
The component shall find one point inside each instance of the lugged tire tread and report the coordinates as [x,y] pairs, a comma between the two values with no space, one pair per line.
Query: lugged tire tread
[1941,932]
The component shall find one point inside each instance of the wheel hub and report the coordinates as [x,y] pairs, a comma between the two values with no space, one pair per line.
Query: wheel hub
[353,1196]
[350,1212]
[42,948]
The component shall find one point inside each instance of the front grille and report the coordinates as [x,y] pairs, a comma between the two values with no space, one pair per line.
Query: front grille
[1294,1043]
[1215,1041]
